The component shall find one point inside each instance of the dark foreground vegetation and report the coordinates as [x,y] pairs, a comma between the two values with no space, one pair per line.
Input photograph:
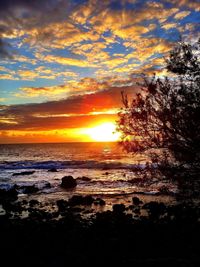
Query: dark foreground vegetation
[141,234]
[163,119]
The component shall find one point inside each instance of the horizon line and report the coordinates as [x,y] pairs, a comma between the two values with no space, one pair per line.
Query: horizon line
[68,142]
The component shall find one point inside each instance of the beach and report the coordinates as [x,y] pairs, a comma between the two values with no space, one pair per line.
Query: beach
[141,234]
[109,214]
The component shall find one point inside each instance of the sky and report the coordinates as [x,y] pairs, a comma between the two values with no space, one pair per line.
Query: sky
[63,64]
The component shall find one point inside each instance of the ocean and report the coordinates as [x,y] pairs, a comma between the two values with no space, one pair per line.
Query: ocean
[110,171]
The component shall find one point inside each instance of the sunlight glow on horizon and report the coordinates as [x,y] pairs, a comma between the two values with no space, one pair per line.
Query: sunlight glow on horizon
[104,132]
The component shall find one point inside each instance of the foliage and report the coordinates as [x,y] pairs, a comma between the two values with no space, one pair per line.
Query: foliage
[164,118]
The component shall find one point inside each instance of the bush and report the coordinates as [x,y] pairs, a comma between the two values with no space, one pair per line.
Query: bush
[163,120]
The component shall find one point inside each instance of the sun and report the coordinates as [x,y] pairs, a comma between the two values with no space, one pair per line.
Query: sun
[105,132]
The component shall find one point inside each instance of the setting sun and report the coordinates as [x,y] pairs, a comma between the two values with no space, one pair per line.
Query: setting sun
[105,132]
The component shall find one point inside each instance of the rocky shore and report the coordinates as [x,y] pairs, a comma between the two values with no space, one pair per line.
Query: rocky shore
[70,233]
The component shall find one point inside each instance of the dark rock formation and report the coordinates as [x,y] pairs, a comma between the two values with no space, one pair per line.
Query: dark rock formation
[118,208]
[76,200]
[136,201]
[99,201]
[80,200]
[88,200]
[62,205]
[68,182]
[8,195]
[29,189]
[155,209]
[33,202]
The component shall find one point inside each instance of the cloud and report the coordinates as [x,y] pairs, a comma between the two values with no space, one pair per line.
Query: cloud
[27,74]
[26,19]
[152,46]
[8,77]
[4,49]
[168,26]
[24,59]
[52,91]
[182,15]
[82,110]
[57,40]
[72,87]
[194,4]
[66,61]
[68,24]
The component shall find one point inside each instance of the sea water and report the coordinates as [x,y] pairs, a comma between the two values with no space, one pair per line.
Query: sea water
[100,168]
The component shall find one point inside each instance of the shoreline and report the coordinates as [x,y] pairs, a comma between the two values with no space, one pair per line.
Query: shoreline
[143,234]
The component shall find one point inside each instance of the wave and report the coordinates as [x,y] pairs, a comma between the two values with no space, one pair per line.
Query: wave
[68,164]
[92,187]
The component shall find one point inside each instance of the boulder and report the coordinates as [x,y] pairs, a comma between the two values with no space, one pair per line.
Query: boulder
[29,189]
[62,205]
[33,202]
[118,208]
[99,201]
[44,185]
[76,200]
[88,200]
[68,182]
[154,208]
[81,200]
[136,201]
[8,195]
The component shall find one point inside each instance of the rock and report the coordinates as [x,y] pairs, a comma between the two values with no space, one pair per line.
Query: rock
[80,200]
[23,173]
[29,189]
[62,205]
[15,207]
[24,202]
[155,208]
[99,201]
[76,200]
[88,200]
[118,208]
[68,182]
[136,201]
[137,211]
[8,195]
[44,185]
[52,170]
[164,190]
[33,202]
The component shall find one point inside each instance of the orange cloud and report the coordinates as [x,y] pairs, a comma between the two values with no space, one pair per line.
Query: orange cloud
[168,26]
[27,74]
[67,61]
[182,15]
[194,4]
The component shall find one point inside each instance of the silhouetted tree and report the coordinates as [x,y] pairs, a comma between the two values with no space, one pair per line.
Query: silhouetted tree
[164,119]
